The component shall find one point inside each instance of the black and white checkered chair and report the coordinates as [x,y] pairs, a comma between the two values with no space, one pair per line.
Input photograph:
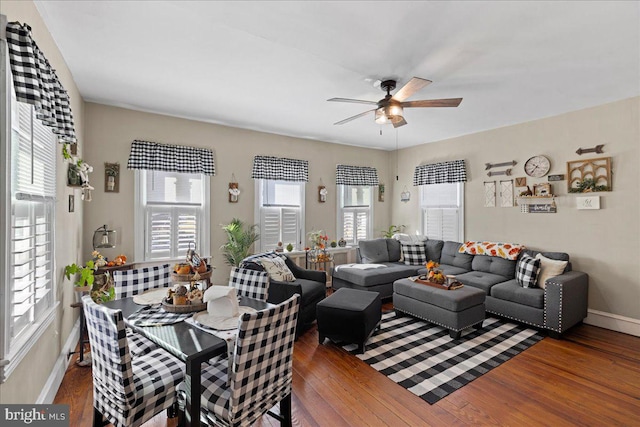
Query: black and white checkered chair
[250,283]
[128,283]
[127,391]
[260,373]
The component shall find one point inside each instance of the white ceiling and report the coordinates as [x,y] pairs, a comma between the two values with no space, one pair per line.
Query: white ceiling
[271,66]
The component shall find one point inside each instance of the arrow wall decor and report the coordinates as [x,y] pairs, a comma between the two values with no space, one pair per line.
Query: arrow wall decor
[488,166]
[504,172]
[596,149]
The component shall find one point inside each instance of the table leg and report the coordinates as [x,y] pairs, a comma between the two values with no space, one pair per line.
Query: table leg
[193,381]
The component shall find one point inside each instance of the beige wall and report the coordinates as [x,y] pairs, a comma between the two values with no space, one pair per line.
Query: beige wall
[604,243]
[110,131]
[28,380]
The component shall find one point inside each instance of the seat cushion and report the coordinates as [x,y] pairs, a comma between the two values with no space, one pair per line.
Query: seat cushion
[373,251]
[512,291]
[311,291]
[455,300]
[375,276]
[481,280]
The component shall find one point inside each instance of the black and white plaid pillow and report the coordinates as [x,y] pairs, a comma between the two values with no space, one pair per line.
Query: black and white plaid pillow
[414,253]
[527,271]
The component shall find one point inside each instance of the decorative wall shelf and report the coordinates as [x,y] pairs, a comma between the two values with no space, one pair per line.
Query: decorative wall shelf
[535,200]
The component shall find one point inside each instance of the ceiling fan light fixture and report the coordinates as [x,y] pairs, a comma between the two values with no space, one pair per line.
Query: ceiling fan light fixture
[381,117]
[389,114]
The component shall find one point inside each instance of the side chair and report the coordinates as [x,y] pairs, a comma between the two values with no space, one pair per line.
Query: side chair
[127,391]
[250,283]
[259,375]
[128,283]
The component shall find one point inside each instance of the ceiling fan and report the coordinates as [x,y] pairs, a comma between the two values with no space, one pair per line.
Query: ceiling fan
[390,108]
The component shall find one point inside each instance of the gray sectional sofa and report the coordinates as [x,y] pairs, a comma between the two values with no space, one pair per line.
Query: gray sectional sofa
[561,305]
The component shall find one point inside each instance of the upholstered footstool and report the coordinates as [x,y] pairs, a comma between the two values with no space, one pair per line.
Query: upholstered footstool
[453,309]
[349,315]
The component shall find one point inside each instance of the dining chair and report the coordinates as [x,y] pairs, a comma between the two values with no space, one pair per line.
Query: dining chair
[128,283]
[250,283]
[127,391]
[259,377]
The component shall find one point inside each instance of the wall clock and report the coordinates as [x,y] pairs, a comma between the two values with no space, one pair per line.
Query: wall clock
[537,166]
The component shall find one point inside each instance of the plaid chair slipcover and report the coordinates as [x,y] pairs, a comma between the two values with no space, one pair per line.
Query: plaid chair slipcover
[126,391]
[250,283]
[260,373]
[128,283]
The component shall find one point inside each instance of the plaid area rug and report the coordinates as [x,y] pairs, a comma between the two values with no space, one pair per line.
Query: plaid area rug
[422,358]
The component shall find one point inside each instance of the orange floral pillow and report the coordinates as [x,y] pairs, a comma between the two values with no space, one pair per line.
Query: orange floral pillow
[508,251]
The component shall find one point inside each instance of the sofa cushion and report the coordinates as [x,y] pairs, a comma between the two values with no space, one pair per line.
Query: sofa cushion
[495,265]
[481,279]
[512,291]
[395,250]
[452,257]
[527,271]
[375,276]
[549,268]
[434,249]
[373,251]
[414,253]
[311,291]
[558,256]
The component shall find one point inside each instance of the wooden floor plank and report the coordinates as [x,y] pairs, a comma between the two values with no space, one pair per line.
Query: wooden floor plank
[591,377]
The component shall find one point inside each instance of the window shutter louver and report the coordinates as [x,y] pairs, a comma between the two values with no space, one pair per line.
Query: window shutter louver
[362,220]
[290,227]
[270,227]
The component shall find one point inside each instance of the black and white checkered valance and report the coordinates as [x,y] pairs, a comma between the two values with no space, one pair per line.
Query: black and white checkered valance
[440,173]
[280,169]
[36,83]
[170,158]
[356,175]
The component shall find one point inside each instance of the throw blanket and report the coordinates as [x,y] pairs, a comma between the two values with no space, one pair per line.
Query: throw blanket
[360,266]
[508,251]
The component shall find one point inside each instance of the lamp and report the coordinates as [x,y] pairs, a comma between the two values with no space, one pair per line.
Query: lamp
[391,113]
[103,238]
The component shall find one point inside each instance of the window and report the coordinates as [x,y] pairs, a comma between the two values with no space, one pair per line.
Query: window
[172,212]
[355,213]
[28,189]
[280,209]
[443,211]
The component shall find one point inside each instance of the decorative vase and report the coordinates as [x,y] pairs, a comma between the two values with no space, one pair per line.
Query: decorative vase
[342,243]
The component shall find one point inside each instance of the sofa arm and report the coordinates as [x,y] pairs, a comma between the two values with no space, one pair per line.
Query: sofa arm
[303,273]
[566,300]
[282,291]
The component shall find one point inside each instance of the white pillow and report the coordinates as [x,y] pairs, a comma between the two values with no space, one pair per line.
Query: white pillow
[277,269]
[549,268]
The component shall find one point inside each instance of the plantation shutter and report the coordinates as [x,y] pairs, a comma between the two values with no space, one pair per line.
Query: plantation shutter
[441,223]
[33,171]
[362,224]
[279,225]
[290,226]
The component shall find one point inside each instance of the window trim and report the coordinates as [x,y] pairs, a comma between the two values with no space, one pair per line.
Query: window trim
[258,205]
[139,223]
[340,213]
[12,353]
[460,207]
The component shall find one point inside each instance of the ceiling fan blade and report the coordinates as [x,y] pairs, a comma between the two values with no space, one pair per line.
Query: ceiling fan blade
[398,123]
[355,101]
[341,122]
[412,86]
[450,102]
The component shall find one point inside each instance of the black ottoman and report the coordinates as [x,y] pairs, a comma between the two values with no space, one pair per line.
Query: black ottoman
[349,315]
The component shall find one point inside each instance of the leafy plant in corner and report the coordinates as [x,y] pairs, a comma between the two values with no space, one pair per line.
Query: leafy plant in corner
[240,238]
[86,277]
[393,229]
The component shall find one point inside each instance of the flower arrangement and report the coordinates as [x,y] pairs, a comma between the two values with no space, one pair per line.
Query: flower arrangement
[434,275]
[318,239]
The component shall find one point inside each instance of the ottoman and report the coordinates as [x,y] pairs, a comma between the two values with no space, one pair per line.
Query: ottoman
[454,309]
[349,315]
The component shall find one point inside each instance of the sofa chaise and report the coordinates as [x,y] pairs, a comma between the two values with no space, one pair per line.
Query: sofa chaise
[561,304]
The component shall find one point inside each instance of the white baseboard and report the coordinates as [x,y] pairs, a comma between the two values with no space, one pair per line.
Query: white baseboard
[52,385]
[617,323]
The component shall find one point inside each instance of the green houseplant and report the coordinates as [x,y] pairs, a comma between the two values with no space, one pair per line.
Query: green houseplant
[393,229]
[86,279]
[239,240]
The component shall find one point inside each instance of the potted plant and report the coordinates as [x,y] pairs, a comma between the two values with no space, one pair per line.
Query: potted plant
[393,229]
[239,241]
[100,286]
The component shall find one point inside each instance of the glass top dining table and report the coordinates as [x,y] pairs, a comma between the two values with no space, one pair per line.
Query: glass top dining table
[185,341]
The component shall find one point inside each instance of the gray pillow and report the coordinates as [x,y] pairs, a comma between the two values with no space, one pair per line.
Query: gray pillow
[373,251]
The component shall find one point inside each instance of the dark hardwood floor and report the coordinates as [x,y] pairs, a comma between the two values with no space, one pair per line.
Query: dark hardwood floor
[590,377]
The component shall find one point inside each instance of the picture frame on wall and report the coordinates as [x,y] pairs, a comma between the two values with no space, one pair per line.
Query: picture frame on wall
[542,190]
[381,192]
